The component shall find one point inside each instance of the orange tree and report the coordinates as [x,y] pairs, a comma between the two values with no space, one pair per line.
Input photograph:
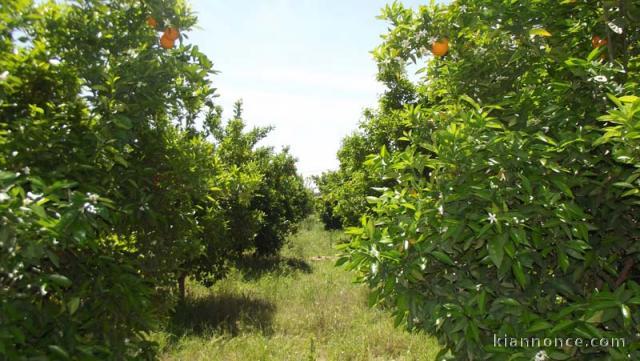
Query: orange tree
[99,174]
[513,207]
[282,200]
[110,195]
[342,193]
[259,197]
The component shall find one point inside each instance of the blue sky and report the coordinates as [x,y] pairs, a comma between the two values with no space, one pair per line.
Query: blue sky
[302,66]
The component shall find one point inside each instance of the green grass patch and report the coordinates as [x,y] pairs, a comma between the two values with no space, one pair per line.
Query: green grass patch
[298,306]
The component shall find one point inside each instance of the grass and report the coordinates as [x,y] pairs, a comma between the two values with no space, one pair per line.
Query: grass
[298,306]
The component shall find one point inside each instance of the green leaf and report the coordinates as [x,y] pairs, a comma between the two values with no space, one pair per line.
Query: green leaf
[53,258]
[372,200]
[7,176]
[496,250]
[545,139]
[563,325]
[563,187]
[595,53]
[341,261]
[596,317]
[472,102]
[442,257]
[473,331]
[519,273]
[615,100]
[122,122]
[120,160]
[59,351]
[371,229]
[539,326]
[623,185]
[60,280]
[73,305]
[557,355]
[539,32]
[482,301]
[626,315]
[508,301]
[629,99]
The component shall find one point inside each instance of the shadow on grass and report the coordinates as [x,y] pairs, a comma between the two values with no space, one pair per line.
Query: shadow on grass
[224,313]
[254,267]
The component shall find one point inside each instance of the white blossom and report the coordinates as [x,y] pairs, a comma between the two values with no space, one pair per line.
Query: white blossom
[89,208]
[600,78]
[492,218]
[34,196]
[4,76]
[4,197]
[541,356]
[616,29]
[93,198]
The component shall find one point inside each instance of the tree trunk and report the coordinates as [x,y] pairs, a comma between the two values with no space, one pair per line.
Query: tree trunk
[181,289]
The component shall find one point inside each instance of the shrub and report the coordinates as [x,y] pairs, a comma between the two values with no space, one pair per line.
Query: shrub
[282,199]
[66,292]
[512,210]
[110,195]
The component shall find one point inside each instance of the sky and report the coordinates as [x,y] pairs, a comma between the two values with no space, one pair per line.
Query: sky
[302,66]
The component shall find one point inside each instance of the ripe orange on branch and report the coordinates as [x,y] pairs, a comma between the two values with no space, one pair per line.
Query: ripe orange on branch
[152,22]
[440,47]
[597,41]
[165,42]
[171,33]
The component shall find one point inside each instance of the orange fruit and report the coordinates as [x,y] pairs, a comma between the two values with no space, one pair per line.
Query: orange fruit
[171,33]
[440,47]
[152,22]
[597,41]
[165,42]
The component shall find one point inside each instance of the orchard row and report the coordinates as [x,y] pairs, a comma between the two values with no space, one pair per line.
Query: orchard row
[498,194]
[119,178]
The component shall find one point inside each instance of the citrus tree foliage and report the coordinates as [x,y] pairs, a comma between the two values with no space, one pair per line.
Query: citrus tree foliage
[342,193]
[109,193]
[282,200]
[512,210]
[259,197]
